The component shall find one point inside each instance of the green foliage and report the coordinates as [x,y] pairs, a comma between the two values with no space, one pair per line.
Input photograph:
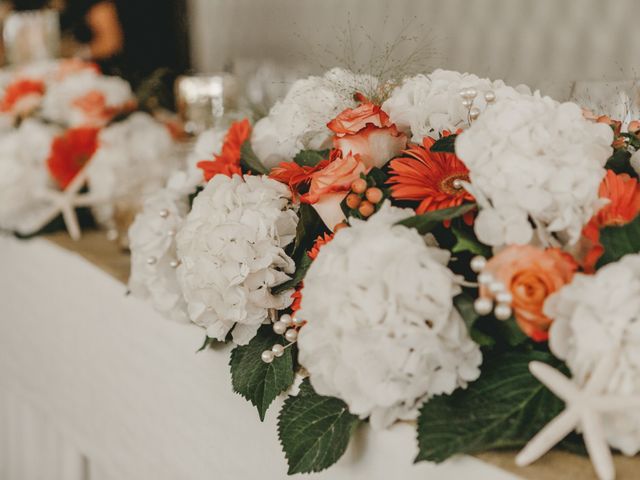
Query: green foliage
[619,241]
[445,144]
[426,222]
[464,305]
[620,162]
[310,158]
[466,241]
[504,408]
[255,380]
[314,430]
[298,276]
[249,160]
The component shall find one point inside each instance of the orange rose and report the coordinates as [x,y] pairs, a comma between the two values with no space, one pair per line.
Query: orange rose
[530,275]
[330,185]
[367,131]
[97,113]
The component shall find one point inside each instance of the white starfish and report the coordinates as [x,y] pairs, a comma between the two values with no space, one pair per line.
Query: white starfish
[66,201]
[584,409]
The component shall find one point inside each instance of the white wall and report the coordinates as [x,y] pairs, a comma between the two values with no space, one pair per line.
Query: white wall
[530,41]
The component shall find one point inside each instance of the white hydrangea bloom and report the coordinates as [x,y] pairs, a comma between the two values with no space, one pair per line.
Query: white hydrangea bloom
[153,248]
[382,333]
[593,316]
[300,120]
[231,248]
[23,175]
[134,157]
[533,158]
[60,103]
[425,105]
[208,144]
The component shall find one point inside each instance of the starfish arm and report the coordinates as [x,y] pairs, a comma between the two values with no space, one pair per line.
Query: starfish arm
[602,373]
[548,437]
[554,380]
[597,446]
[71,221]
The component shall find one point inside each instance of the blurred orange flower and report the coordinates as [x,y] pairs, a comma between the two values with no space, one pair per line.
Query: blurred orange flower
[623,193]
[70,152]
[18,92]
[228,162]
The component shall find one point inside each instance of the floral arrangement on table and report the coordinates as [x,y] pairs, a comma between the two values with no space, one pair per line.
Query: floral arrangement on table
[71,137]
[446,250]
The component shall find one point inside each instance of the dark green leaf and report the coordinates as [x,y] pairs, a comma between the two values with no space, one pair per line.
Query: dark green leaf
[445,144]
[464,305]
[510,332]
[310,225]
[620,162]
[298,276]
[250,161]
[503,409]
[310,158]
[255,380]
[619,241]
[314,430]
[428,221]
[466,241]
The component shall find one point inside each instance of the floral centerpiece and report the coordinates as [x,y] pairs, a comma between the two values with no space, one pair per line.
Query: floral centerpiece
[439,250]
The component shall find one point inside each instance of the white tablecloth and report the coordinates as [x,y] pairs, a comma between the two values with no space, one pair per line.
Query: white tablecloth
[95,384]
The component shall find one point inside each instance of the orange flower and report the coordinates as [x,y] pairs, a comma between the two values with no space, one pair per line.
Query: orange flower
[96,112]
[623,193]
[367,131]
[430,178]
[19,96]
[70,152]
[295,175]
[530,274]
[228,162]
[330,185]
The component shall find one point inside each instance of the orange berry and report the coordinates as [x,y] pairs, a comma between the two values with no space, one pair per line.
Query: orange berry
[353,201]
[340,226]
[366,209]
[359,186]
[374,195]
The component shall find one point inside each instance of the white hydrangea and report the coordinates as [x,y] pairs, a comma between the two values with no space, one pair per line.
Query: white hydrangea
[425,105]
[23,175]
[593,316]
[231,249]
[382,333]
[300,120]
[208,144]
[134,157]
[153,247]
[533,158]
[59,103]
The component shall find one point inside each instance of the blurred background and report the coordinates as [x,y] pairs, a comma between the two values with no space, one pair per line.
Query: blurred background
[561,47]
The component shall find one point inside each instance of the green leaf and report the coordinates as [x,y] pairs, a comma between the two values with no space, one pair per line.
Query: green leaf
[503,409]
[314,430]
[464,305]
[619,241]
[298,276]
[255,380]
[510,332]
[250,161]
[466,241]
[445,144]
[620,162]
[428,221]
[310,158]
[310,226]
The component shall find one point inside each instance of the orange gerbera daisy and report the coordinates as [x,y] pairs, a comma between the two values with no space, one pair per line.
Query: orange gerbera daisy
[70,152]
[623,193]
[228,162]
[431,178]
